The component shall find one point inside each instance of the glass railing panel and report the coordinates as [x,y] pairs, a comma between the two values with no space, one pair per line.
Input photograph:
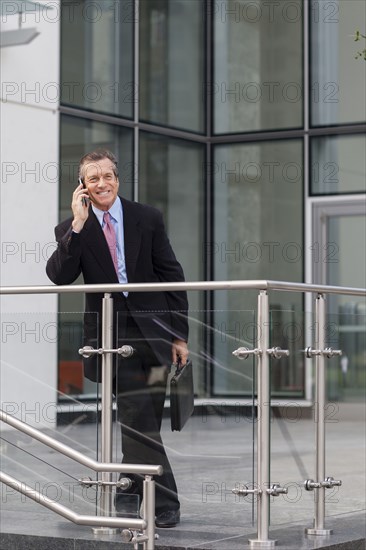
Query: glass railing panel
[345,412]
[228,422]
[230,330]
[346,331]
[288,331]
[213,453]
[42,383]
[80,404]
[294,419]
[41,379]
[292,430]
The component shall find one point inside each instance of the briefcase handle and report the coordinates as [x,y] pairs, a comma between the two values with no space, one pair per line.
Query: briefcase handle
[178,365]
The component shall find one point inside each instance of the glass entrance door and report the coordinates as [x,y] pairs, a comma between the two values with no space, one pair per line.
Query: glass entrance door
[339,243]
[339,230]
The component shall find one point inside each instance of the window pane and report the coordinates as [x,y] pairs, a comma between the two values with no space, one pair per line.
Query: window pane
[338,165]
[338,84]
[258,227]
[79,136]
[258,65]
[172,62]
[171,179]
[97,56]
[344,230]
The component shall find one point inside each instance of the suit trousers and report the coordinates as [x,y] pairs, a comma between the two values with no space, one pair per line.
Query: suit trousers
[140,389]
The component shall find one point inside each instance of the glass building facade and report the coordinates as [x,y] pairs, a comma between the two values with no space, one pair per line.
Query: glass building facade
[234,119]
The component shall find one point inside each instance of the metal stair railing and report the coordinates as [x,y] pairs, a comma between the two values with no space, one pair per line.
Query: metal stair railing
[146,524]
[264,490]
[65,512]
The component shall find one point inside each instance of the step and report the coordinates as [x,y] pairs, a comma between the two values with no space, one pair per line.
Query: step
[41,531]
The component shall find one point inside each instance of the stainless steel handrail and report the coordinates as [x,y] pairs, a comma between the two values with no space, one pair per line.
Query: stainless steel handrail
[144,469]
[194,285]
[104,522]
[65,512]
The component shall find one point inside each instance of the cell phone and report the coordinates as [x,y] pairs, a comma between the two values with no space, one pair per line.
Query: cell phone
[83,200]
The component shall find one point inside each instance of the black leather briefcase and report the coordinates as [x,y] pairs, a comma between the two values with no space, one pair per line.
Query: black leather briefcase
[181,395]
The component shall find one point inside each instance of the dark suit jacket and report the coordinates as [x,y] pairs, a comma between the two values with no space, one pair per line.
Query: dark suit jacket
[161,316]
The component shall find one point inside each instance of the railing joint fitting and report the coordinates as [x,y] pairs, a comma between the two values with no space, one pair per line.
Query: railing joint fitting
[244,490]
[327,352]
[330,482]
[278,353]
[244,353]
[310,485]
[275,490]
[125,351]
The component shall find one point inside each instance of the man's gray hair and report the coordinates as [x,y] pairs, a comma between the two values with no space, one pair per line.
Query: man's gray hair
[97,155]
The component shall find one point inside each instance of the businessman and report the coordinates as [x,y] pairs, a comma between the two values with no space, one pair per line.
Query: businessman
[109,240]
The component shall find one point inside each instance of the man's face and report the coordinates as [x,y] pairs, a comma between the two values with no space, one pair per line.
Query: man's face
[101,183]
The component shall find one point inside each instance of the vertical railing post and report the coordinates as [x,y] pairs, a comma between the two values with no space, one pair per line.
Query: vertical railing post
[105,501]
[148,506]
[263,427]
[319,416]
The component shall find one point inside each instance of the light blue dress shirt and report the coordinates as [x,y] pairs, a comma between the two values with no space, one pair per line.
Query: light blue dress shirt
[116,214]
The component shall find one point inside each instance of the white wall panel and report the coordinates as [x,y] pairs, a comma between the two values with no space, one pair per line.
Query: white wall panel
[29,151]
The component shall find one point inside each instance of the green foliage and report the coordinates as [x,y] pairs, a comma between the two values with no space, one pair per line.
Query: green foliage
[359,36]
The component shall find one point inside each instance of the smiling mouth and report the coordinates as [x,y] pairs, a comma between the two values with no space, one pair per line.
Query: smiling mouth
[101,193]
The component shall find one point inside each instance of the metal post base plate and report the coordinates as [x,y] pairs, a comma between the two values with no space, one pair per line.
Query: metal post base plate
[257,543]
[321,532]
[105,531]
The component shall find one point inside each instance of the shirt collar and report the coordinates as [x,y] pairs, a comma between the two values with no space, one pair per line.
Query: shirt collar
[115,211]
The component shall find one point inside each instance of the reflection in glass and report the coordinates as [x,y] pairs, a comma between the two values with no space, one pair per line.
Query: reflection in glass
[231,330]
[172,63]
[349,380]
[258,211]
[97,56]
[338,164]
[29,392]
[257,81]
[338,80]
[347,236]
[293,426]
[287,331]
[258,230]
[71,380]
[171,179]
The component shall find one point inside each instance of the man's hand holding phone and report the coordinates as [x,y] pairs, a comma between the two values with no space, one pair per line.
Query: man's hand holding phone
[80,207]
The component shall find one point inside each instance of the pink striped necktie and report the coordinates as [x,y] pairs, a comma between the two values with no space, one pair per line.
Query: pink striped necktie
[110,236]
